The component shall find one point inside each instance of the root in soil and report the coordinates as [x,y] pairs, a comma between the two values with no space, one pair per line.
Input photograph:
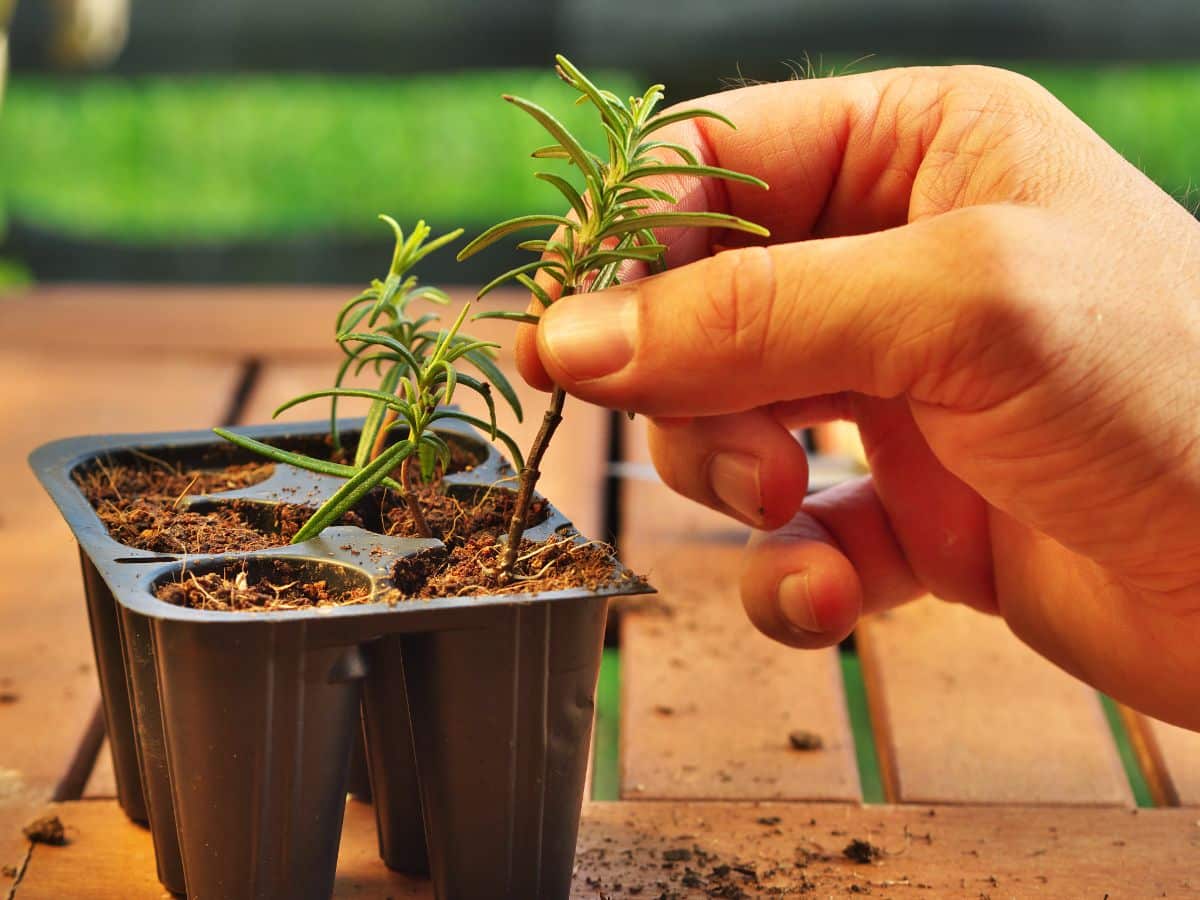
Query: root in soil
[156,480]
[454,519]
[473,568]
[233,527]
[231,590]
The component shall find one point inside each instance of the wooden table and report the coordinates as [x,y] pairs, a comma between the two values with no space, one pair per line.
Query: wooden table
[999,774]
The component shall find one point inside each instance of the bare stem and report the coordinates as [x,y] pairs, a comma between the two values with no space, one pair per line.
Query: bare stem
[529,478]
[410,497]
[381,436]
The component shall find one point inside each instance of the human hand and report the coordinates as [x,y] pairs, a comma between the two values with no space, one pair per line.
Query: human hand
[1008,310]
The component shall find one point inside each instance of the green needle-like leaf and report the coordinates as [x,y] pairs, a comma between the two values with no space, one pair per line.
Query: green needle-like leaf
[659,122]
[524,318]
[299,460]
[353,490]
[695,171]
[503,229]
[513,449]
[559,132]
[688,219]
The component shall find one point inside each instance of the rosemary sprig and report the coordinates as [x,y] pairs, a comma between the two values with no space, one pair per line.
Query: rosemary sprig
[613,221]
[418,370]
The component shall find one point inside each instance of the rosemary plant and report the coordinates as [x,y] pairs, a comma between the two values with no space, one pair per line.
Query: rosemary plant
[418,371]
[613,221]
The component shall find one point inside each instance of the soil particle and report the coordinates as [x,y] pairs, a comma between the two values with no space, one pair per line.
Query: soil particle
[473,568]
[677,854]
[46,830]
[154,479]
[8,871]
[7,697]
[231,591]
[141,505]
[805,740]
[861,851]
[454,519]
[234,527]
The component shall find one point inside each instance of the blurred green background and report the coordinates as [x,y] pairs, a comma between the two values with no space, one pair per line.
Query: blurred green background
[219,141]
[160,158]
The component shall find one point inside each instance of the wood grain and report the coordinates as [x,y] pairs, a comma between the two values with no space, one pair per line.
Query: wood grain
[278,321]
[707,703]
[46,664]
[965,713]
[1050,852]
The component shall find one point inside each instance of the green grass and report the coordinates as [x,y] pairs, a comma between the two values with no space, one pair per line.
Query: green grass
[164,159]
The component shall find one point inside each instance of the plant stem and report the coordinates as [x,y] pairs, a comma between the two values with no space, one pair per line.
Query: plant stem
[381,435]
[529,478]
[410,497]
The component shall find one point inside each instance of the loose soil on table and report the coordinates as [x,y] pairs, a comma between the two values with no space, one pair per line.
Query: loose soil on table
[231,590]
[46,830]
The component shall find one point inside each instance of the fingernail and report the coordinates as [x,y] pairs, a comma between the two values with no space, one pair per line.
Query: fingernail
[796,603]
[734,479]
[593,336]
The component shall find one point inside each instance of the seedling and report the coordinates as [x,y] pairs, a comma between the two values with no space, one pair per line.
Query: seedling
[418,370]
[613,221]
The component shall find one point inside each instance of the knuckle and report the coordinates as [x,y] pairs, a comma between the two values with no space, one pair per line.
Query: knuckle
[735,309]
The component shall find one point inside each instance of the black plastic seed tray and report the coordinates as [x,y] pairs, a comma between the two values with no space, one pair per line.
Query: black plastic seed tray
[231,732]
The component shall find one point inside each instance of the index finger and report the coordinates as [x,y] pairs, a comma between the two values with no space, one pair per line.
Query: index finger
[839,154]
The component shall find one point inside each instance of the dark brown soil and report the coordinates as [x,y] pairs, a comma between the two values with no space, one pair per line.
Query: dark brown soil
[46,830]
[805,740]
[473,568]
[153,479]
[454,518]
[232,590]
[861,851]
[233,527]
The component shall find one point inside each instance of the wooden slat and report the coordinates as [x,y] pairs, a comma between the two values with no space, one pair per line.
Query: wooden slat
[973,852]
[281,321]
[46,663]
[707,703]
[965,713]
[1169,757]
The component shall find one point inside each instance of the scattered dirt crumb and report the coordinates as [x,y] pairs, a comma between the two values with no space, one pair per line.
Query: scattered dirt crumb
[7,697]
[677,854]
[8,871]
[769,820]
[805,740]
[46,830]
[861,851]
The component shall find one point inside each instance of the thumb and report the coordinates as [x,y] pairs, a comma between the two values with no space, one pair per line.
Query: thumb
[882,314]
